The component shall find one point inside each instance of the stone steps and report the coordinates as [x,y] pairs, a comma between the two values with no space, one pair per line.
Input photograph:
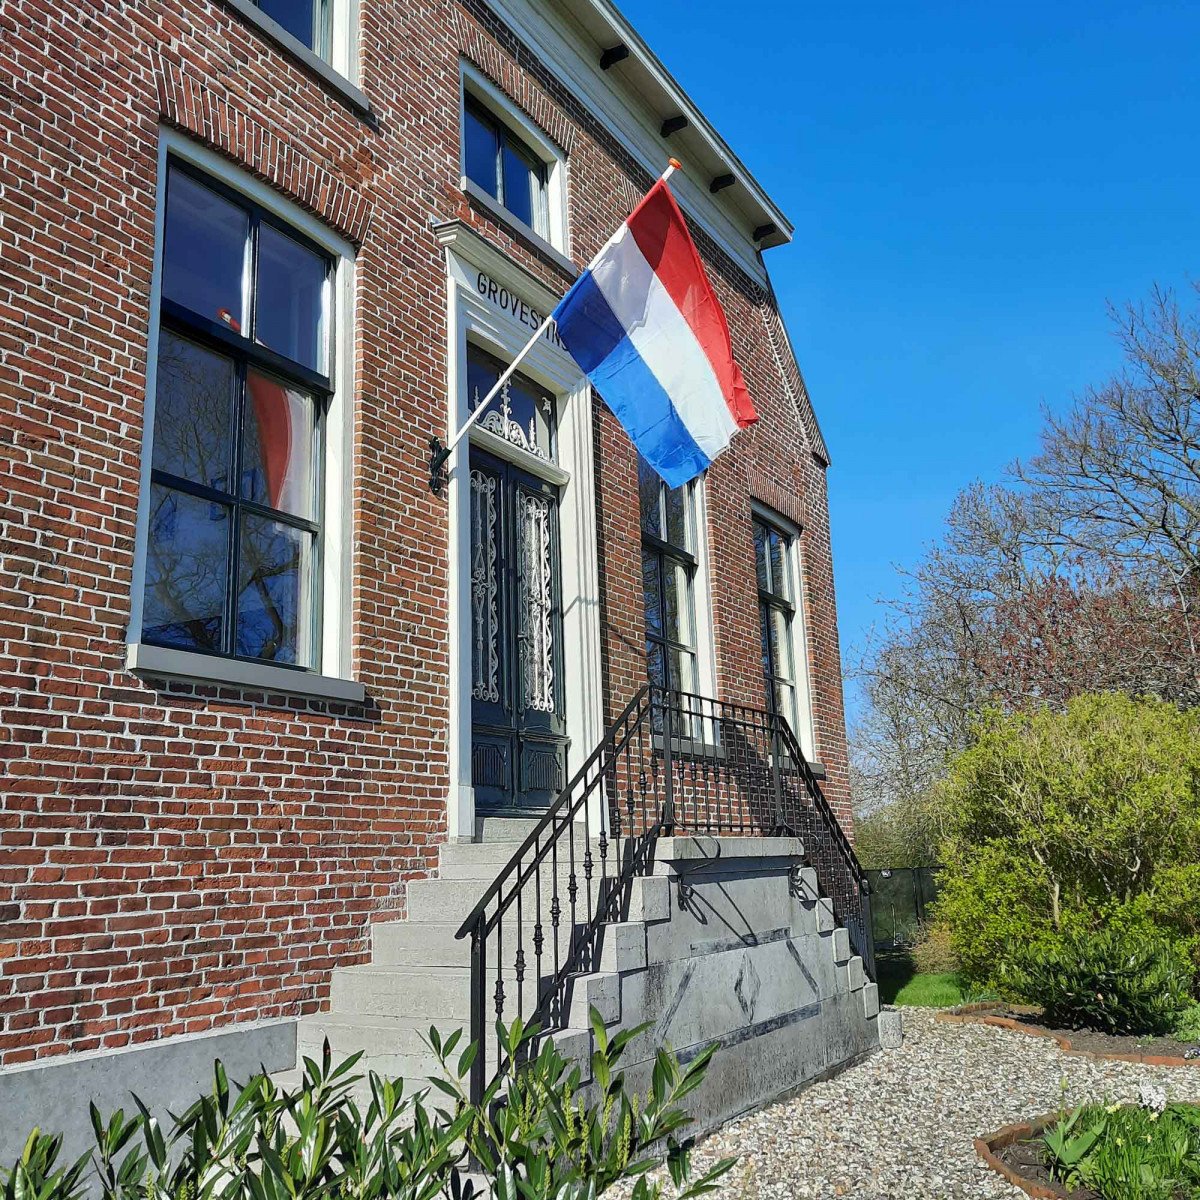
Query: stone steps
[419,974]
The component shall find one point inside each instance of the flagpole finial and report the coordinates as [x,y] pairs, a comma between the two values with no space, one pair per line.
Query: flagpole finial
[675,163]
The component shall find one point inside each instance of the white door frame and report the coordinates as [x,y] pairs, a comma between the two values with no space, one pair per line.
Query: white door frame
[501,324]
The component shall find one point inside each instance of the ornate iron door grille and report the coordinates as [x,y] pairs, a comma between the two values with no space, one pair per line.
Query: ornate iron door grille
[518,753]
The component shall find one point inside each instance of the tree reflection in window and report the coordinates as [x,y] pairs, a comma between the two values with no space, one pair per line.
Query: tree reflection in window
[232,555]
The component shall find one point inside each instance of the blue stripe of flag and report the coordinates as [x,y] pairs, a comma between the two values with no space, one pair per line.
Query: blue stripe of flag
[598,343]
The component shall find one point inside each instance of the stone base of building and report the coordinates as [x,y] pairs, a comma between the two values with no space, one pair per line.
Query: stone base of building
[739,949]
[167,1075]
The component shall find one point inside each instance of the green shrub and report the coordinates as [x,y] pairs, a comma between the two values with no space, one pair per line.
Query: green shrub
[1111,981]
[933,951]
[537,1137]
[1056,822]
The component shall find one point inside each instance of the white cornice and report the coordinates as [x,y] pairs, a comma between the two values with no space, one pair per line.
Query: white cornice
[631,108]
[624,33]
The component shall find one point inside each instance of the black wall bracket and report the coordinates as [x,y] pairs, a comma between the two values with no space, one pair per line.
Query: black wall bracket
[438,457]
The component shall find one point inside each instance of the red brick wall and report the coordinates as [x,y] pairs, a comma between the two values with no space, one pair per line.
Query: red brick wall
[174,857]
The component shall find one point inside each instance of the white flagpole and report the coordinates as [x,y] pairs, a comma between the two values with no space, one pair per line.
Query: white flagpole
[439,454]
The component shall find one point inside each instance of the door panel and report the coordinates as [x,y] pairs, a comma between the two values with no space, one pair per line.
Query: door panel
[518,724]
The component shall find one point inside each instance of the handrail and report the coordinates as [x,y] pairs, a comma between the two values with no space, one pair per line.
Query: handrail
[670,761]
[547,819]
[862,934]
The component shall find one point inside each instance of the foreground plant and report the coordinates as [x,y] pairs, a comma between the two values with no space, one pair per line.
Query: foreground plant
[1149,1151]
[537,1134]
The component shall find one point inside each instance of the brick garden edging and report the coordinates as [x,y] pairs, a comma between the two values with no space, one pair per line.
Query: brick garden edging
[986,1148]
[976,1014]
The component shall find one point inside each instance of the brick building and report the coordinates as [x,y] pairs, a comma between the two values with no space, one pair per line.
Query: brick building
[254,672]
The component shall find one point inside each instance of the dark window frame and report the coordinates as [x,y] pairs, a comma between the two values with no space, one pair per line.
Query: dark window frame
[771,601]
[246,354]
[666,552]
[505,136]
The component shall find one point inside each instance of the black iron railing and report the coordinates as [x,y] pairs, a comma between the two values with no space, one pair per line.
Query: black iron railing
[671,763]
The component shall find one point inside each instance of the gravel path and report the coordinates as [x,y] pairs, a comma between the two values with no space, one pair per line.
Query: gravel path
[901,1124]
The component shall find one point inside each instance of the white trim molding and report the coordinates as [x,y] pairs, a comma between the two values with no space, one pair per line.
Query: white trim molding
[478,315]
[332,676]
[631,106]
[557,239]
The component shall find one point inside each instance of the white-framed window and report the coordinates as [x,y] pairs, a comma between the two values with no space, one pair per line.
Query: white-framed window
[325,29]
[670,564]
[509,164]
[781,623]
[243,524]
[310,22]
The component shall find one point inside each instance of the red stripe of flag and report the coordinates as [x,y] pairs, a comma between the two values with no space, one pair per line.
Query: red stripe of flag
[662,236]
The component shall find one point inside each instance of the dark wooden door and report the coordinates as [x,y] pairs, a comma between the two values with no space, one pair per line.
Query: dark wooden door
[518,733]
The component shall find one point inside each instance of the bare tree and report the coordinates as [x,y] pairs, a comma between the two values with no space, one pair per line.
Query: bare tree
[1121,470]
[1079,574]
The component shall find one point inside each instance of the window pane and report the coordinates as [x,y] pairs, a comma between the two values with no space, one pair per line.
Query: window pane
[204,252]
[480,147]
[289,302]
[522,184]
[675,501]
[277,446]
[683,670]
[523,413]
[274,615]
[656,669]
[194,400]
[298,18]
[677,599]
[649,489]
[780,575]
[653,593]
[187,565]
[761,556]
[764,626]
[785,704]
[781,644]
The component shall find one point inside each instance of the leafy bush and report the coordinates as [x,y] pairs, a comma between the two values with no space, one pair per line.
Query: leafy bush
[1148,1152]
[1109,981]
[540,1135]
[1057,822]
[933,951]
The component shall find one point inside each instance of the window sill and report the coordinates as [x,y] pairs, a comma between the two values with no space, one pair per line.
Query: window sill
[313,63]
[480,199]
[166,662]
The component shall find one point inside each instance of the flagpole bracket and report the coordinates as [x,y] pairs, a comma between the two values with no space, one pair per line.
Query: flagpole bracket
[439,477]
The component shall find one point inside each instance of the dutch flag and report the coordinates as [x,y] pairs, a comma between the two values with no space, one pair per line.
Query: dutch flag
[645,326]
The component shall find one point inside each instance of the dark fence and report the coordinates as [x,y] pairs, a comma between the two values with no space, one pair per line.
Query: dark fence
[900,898]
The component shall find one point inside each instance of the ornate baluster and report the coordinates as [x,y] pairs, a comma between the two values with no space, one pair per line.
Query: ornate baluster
[572,882]
[499,992]
[555,917]
[587,859]
[519,959]
[538,938]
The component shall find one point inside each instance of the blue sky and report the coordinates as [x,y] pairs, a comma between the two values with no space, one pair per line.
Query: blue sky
[970,184]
